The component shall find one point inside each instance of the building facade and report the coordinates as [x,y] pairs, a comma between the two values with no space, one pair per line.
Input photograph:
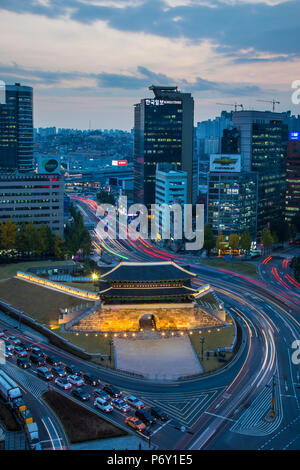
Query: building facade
[263,147]
[31,197]
[292,198]
[163,133]
[231,196]
[16,130]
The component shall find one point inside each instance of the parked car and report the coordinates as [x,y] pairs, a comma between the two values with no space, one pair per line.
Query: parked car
[9,346]
[23,362]
[14,340]
[81,394]
[58,371]
[134,401]
[120,405]
[8,353]
[44,373]
[103,405]
[90,379]
[112,391]
[62,383]
[158,413]
[37,351]
[20,352]
[25,346]
[52,360]
[36,359]
[145,416]
[101,394]
[2,333]
[70,369]
[75,380]
[135,423]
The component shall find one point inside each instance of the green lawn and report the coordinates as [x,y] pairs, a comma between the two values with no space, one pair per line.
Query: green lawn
[213,340]
[238,266]
[92,343]
[10,270]
[38,302]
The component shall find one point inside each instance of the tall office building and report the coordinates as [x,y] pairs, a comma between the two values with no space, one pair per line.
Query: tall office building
[16,129]
[163,133]
[263,147]
[292,200]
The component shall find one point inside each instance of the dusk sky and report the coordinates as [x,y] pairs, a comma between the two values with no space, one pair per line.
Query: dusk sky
[91,60]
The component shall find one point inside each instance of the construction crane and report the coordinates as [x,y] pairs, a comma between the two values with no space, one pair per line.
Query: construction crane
[273,102]
[235,105]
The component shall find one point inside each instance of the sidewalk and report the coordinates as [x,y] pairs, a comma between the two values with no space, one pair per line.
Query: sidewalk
[24,328]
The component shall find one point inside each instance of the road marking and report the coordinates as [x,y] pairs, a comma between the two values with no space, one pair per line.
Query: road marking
[219,416]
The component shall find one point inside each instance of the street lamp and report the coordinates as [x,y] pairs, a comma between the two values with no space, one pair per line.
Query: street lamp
[94,277]
[202,341]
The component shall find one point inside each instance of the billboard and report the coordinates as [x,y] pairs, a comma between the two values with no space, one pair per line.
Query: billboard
[119,162]
[48,165]
[225,162]
[294,136]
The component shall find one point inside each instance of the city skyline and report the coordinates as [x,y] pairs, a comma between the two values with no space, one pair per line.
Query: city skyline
[101,56]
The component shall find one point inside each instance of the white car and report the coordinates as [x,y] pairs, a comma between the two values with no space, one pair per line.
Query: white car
[75,380]
[120,405]
[135,402]
[63,383]
[103,405]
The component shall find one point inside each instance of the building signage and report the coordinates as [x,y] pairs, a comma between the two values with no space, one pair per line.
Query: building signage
[48,165]
[160,102]
[225,162]
[294,135]
[119,162]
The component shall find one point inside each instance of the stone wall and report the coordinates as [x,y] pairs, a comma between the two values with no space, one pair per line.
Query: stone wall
[126,319]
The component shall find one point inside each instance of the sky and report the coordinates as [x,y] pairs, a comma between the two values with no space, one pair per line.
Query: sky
[90,61]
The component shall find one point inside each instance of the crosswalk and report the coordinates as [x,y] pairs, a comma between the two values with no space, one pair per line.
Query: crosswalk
[25,380]
[185,410]
[252,422]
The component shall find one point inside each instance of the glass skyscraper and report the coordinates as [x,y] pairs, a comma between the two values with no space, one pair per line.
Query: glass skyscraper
[16,129]
[163,133]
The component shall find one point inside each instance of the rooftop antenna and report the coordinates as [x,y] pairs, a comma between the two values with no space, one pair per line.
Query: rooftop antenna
[273,102]
[235,105]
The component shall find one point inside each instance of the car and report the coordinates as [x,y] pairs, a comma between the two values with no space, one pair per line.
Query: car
[70,369]
[135,423]
[158,413]
[112,391]
[38,360]
[101,394]
[146,416]
[23,362]
[2,333]
[103,405]
[120,405]
[20,352]
[90,379]
[81,394]
[52,360]
[44,373]
[9,346]
[25,346]
[37,351]
[135,402]
[7,353]
[14,340]
[63,383]
[58,371]
[75,380]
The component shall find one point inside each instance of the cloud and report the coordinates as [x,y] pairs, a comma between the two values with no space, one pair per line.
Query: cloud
[268,26]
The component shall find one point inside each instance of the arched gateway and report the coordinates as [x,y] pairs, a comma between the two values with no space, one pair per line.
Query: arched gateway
[147,322]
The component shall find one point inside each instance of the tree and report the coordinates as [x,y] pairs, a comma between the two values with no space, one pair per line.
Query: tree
[245,241]
[105,197]
[296,221]
[8,235]
[234,240]
[209,239]
[220,241]
[267,239]
[58,246]
[281,228]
